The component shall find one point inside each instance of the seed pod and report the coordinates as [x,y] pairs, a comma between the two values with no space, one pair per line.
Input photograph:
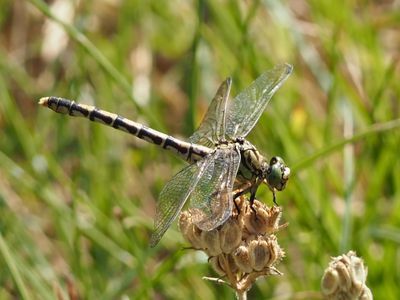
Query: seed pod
[242,259]
[330,281]
[211,242]
[230,235]
[262,220]
[259,254]
[189,231]
[215,264]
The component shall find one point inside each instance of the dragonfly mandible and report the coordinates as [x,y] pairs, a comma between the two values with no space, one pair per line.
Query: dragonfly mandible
[221,159]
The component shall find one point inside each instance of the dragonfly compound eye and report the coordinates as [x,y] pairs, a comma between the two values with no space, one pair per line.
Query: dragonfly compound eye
[278,173]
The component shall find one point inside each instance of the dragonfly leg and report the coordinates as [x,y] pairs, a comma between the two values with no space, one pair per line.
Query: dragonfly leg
[252,197]
[274,197]
[238,194]
[237,206]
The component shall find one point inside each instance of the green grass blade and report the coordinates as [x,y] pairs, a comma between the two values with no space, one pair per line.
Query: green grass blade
[376,128]
[12,266]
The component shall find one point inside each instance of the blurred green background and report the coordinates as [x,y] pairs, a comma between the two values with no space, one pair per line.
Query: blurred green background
[78,199]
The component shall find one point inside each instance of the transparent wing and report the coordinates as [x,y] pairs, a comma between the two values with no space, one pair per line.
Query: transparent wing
[212,128]
[174,195]
[211,200]
[244,111]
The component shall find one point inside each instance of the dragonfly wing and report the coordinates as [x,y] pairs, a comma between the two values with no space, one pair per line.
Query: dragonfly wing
[212,128]
[246,108]
[174,195]
[211,201]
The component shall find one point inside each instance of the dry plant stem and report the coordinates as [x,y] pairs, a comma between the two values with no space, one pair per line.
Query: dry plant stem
[241,295]
[228,270]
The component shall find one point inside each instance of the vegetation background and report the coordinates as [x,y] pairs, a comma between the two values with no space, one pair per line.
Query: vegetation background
[78,199]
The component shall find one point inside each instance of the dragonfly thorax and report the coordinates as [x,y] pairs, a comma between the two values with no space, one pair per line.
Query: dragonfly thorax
[254,168]
[253,164]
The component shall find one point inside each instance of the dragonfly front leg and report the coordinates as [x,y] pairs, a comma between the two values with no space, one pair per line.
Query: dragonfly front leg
[248,187]
[252,198]
[253,190]
[243,189]
[274,197]
[236,195]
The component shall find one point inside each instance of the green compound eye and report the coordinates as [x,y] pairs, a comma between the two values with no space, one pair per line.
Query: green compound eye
[277,174]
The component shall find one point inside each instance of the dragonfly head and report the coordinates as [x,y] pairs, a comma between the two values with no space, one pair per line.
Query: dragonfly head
[277,174]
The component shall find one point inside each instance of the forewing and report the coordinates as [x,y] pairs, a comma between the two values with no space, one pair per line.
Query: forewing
[212,127]
[174,195]
[246,108]
[211,201]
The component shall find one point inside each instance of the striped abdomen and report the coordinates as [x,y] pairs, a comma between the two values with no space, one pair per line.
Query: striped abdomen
[187,151]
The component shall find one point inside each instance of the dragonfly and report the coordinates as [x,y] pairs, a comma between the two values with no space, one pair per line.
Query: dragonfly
[222,163]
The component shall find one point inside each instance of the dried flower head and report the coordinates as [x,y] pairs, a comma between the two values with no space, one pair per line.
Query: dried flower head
[244,247]
[345,278]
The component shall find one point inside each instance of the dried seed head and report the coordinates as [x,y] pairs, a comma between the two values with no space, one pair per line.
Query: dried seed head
[244,247]
[345,278]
